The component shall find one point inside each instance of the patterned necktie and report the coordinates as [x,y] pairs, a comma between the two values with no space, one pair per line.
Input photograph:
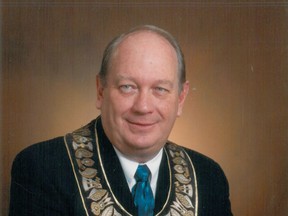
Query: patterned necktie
[142,192]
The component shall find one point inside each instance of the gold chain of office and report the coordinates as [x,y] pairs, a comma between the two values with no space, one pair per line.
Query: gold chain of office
[98,200]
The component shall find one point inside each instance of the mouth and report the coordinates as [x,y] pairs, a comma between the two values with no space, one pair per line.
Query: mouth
[141,125]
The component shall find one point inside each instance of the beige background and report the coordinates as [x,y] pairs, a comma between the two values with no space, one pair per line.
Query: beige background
[236,56]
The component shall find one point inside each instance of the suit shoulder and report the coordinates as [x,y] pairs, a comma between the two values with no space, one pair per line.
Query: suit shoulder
[204,165]
[195,155]
[40,156]
[41,148]
[201,158]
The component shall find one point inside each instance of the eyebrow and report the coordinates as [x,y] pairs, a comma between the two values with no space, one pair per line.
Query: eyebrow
[166,82]
[122,77]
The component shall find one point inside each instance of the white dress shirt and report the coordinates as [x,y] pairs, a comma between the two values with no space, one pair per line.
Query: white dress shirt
[129,167]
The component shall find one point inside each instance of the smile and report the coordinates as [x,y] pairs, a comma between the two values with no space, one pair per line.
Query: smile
[141,125]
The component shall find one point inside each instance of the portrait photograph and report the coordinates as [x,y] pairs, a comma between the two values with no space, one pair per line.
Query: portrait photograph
[144,108]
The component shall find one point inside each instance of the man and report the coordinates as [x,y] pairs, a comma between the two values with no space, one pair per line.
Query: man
[121,163]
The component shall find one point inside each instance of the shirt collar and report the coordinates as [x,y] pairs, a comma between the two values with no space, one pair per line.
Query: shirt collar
[129,168]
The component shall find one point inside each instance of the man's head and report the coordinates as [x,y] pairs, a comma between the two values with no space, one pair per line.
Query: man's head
[140,92]
[112,46]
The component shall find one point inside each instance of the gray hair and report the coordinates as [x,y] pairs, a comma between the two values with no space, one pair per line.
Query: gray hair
[112,46]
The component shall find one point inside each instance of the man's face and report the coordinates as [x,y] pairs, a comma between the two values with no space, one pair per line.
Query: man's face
[140,100]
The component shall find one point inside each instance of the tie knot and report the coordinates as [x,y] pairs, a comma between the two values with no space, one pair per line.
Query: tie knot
[142,173]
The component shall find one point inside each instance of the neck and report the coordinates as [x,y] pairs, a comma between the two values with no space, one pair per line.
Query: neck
[139,158]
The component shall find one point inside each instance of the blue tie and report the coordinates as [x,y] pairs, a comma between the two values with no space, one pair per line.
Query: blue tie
[142,192]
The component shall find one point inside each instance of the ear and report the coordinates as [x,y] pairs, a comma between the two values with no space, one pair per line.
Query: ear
[99,87]
[182,97]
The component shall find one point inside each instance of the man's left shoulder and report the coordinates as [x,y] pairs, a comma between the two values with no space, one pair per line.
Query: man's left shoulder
[204,166]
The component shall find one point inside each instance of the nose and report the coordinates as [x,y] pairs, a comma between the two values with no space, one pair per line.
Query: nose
[143,102]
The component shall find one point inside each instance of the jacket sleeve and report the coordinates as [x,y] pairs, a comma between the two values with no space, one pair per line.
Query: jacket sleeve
[219,193]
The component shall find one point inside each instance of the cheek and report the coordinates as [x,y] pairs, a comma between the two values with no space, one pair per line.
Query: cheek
[117,104]
[168,109]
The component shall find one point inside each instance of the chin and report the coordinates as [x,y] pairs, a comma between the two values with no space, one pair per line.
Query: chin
[143,143]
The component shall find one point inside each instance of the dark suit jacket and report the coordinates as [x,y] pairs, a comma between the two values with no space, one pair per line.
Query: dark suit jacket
[43,182]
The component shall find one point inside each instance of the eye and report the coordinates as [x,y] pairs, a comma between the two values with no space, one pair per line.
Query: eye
[161,91]
[126,88]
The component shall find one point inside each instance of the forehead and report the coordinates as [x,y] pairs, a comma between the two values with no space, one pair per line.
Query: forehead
[145,38]
[144,45]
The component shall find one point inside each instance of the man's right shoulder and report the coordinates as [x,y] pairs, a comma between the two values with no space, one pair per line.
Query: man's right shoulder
[47,147]
[46,155]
